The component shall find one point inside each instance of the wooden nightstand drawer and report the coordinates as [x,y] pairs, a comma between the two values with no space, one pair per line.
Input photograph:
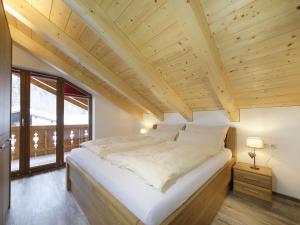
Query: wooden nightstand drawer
[254,191]
[252,178]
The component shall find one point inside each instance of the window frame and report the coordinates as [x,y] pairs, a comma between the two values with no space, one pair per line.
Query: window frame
[25,75]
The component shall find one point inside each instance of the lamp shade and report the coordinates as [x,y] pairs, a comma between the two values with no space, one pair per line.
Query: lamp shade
[143,130]
[255,142]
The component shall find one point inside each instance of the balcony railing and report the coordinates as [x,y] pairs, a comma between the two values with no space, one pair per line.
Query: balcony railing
[43,139]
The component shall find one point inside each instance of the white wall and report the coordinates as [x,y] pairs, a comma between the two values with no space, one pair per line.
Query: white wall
[109,120]
[22,59]
[277,126]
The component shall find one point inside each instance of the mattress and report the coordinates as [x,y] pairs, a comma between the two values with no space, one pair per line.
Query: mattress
[148,204]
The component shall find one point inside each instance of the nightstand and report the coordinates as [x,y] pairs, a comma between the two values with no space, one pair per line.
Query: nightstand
[256,184]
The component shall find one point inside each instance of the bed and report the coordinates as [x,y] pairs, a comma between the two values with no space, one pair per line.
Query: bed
[122,204]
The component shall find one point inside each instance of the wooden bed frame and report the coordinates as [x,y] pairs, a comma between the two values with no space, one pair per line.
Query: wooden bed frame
[102,208]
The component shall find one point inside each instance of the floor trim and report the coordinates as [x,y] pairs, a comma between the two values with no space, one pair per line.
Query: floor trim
[286,197]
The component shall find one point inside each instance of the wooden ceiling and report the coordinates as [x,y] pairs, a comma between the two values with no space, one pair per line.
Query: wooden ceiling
[170,55]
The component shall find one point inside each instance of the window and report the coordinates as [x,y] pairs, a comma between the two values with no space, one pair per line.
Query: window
[76,117]
[49,117]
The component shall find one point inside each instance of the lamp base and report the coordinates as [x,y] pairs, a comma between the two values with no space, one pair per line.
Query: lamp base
[254,167]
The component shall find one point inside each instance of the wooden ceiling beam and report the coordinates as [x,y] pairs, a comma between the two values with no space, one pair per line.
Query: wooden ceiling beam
[100,22]
[61,65]
[194,24]
[27,14]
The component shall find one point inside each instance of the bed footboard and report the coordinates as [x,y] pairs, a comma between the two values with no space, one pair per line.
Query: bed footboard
[101,208]
[204,204]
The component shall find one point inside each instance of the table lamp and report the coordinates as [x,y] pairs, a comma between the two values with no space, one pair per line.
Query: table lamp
[143,131]
[255,143]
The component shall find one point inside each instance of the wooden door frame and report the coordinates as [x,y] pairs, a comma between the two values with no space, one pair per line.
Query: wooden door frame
[60,122]
[25,76]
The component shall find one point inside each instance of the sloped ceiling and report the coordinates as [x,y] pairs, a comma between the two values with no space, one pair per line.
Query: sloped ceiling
[258,42]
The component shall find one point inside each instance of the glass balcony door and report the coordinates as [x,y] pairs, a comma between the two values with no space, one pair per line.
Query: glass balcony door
[77,106]
[43,121]
[50,117]
[33,122]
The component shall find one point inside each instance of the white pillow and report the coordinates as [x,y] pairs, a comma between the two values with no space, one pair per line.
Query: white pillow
[163,134]
[207,135]
[213,130]
[174,127]
[197,127]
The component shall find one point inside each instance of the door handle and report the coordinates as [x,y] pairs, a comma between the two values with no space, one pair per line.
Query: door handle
[3,146]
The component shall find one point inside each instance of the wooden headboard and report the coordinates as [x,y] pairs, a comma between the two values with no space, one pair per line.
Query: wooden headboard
[230,141]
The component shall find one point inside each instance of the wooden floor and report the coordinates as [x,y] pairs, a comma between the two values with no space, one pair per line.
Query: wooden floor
[43,200]
[236,211]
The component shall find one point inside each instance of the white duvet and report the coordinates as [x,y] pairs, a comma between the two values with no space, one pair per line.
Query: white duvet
[104,147]
[159,165]
[110,140]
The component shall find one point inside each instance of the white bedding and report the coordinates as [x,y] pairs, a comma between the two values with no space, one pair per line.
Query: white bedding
[114,139]
[104,147]
[149,204]
[159,165]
